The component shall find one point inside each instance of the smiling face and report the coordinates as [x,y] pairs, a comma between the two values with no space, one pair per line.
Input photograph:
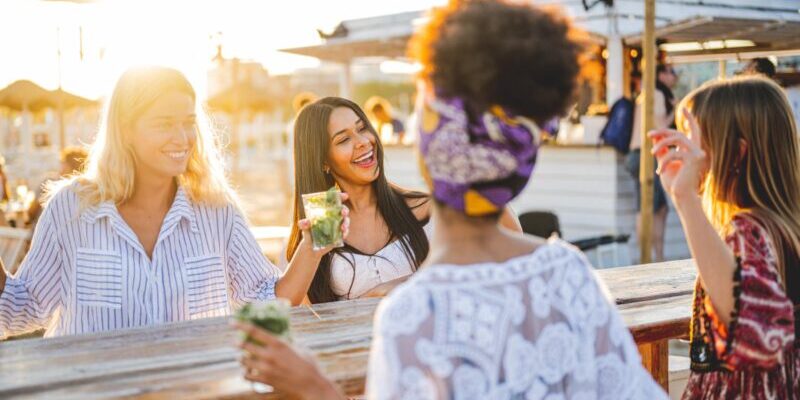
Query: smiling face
[353,154]
[164,136]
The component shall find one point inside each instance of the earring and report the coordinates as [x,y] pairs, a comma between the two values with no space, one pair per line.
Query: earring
[327,170]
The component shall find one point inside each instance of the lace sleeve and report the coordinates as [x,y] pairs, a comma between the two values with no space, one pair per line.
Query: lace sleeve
[531,329]
[618,370]
[394,371]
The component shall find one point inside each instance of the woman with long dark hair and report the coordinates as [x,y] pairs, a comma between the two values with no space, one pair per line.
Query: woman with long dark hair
[335,145]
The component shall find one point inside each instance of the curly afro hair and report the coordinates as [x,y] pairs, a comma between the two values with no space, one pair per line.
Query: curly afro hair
[499,53]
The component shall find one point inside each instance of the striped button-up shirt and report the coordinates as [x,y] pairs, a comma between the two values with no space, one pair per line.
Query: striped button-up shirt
[86,270]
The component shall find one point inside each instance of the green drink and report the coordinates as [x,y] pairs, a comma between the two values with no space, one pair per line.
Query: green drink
[272,316]
[324,210]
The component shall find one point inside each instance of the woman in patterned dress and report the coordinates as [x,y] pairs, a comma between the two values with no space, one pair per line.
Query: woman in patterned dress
[493,314]
[735,181]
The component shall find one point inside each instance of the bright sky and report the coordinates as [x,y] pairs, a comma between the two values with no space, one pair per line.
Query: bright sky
[178,33]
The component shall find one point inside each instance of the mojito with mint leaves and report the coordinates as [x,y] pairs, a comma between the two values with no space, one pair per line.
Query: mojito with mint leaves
[271,315]
[324,210]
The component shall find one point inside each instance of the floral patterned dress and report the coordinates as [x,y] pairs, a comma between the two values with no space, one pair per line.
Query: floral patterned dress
[756,356]
[536,327]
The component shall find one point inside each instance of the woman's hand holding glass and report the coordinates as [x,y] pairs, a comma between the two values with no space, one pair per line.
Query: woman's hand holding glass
[307,242]
[268,359]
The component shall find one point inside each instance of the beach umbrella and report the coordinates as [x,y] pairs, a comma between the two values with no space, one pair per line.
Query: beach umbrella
[26,95]
[242,97]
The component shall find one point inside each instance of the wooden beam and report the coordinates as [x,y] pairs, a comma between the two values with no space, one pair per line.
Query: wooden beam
[758,28]
[646,161]
[685,58]
[637,39]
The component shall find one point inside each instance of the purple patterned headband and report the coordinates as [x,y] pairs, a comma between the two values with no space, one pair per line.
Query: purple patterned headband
[476,167]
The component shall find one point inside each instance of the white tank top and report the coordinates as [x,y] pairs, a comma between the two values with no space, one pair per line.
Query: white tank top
[388,264]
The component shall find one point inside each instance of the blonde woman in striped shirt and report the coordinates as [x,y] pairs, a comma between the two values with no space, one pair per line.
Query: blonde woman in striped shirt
[150,233]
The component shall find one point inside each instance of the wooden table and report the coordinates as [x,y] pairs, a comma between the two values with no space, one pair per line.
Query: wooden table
[198,359]
[655,302]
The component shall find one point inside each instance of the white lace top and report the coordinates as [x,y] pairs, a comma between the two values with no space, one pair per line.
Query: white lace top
[538,326]
[365,272]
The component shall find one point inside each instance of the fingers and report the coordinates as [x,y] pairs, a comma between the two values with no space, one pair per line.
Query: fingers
[256,351]
[344,196]
[254,376]
[670,158]
[304,225]
[693,125]
[256,371]
[659,135]
[258,334]
[260,361]
[666,139]
[251,363]
[345,222]
[666,144]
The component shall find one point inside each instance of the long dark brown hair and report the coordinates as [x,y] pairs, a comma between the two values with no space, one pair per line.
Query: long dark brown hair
[311,147]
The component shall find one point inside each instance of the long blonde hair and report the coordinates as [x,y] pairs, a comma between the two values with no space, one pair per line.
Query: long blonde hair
[764,181]
[109,174]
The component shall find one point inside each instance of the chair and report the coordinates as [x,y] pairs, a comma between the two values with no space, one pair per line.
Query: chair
[540,223]
[603,249]
[13,246]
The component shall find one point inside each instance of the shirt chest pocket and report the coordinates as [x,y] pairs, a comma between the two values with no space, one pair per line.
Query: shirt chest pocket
[206,286]
[98,278]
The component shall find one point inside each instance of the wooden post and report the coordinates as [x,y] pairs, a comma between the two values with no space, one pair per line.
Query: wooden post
[646,162]
[723,69]
[655,358]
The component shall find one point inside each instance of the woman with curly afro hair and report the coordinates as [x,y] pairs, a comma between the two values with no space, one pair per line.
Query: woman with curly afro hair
[490,314]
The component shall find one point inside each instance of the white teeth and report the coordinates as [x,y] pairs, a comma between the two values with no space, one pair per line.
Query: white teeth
[177,154]
[364,157]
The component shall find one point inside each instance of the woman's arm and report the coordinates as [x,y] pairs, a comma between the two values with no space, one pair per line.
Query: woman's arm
[300,271]
[29,299]
[296,280]
[682,167]
[715,261]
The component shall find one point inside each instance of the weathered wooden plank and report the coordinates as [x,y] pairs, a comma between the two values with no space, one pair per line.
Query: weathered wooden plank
[659,319]
[650,281]
[197,359]
[83,358]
